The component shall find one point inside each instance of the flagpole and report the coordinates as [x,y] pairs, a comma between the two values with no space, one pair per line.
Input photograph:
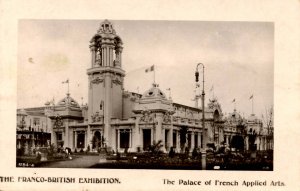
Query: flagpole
[68,87]
[252,104]
[154,72]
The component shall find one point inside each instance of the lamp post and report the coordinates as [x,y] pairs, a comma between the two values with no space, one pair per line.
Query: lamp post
[203,152]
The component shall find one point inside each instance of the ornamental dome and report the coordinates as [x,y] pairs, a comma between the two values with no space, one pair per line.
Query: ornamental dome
[234,117]
[47,103]
[22,112]
[154,92]
[252,118]
[106,27]
[68,101]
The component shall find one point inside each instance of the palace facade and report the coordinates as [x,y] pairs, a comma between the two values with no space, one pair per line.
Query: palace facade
[126,121]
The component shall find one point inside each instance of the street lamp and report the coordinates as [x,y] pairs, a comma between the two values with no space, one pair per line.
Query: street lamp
[203,152]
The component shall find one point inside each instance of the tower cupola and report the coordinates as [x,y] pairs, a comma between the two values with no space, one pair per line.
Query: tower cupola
[106,47]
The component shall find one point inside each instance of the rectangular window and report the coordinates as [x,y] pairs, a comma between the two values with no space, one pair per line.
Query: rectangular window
[146,139]
[174,139]
[59,136]
[80,140]
[124,139]
[196,140]
[166,138]
[36,121]
[189,141]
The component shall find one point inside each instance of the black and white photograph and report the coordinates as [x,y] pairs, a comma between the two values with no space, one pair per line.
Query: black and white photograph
[185,95]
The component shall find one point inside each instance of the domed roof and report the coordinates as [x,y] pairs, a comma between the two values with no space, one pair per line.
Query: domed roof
[47,103]
[234,116]
[154,92]
[68,101]
[22,112]
[106,27]
[252,118]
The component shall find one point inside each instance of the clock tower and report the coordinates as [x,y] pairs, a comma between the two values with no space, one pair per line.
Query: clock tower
[105,78]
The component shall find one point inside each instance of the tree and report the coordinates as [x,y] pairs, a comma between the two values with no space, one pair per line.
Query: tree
[155,149]
[268,122]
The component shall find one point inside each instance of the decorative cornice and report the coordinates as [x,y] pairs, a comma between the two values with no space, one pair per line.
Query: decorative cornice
[167,117]
[147,116]
[97,80]
[117,80]
[96,117]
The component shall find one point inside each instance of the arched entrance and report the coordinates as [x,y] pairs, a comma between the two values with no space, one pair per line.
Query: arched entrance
[96,142]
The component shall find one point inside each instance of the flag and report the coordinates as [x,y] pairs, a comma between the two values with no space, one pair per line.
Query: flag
[30,60]
[251,97]
[212,88]
[52,101]
[67,81]
[233,100]
[197,85]
[150,69]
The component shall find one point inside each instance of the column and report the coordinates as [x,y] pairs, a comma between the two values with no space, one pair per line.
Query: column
[118,139]
[102,56]
[107,56]
[75,139]
[265,143]
[120,57]
[163,134]
[152,135]
[192,140]
[178,141]
[53,138]
[113,138]
[66,141]
[130,138]
[93,48]
[111,60]
[136,135]
[88,137]
[227,139]
[170,138]
[86,141]
[158,128]
[70,138]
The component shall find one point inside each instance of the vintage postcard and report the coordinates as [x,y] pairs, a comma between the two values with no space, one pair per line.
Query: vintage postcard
[115,102]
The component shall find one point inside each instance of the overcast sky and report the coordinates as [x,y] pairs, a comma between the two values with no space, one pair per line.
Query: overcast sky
[238,59]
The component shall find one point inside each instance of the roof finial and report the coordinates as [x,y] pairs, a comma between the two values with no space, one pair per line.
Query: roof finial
[155,85]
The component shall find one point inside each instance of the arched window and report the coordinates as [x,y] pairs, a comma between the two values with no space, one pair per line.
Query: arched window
[98,56]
